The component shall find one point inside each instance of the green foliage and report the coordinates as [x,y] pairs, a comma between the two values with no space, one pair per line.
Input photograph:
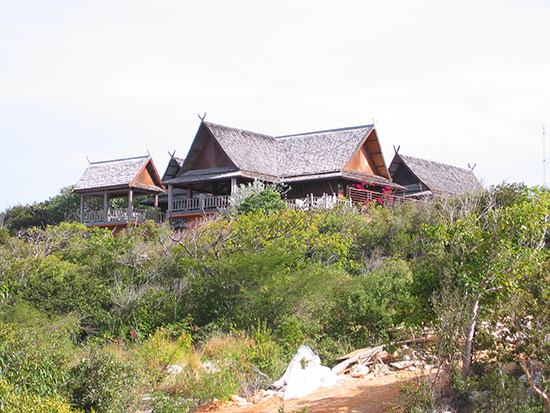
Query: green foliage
[416,396]
[62,207]
[368,305]
[34,356]
[266,201]
[103,384]
[13,401]
[248,289]
[160,351]
[497,391]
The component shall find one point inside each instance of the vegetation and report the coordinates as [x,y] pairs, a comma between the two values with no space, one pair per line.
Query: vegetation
[169,320]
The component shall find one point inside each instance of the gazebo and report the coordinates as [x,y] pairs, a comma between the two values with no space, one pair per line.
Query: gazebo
[119,178]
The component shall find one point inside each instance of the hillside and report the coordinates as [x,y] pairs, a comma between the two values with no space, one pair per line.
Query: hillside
[157,320]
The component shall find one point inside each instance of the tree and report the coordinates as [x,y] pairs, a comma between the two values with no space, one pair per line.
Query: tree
[62,207]
[266,201]
[489,251]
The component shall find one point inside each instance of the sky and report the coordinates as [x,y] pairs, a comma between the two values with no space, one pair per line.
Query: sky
[460,82]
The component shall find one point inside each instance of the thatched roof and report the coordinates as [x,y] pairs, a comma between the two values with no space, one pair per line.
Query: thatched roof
[290,157]
[438,177]
[120,174]
[173,167]
[249,151]
[318,152]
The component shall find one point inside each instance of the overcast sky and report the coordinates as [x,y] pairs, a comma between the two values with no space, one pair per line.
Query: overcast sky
[454,81]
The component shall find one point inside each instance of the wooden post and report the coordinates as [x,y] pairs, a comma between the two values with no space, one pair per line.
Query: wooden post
[105,207]
[233,185]
[82,208]
[156,206]
[170,200]
[201,202]
[130,204]
[189,191]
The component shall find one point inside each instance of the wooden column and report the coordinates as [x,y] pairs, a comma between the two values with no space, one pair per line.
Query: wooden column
[189,191]
[170,200]
[82,208]
[233,185]
[130,204]
[105,207]
[156,206]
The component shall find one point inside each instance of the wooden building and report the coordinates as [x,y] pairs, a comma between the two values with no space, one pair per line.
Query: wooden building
[424,178]
[119,178]
[314,164]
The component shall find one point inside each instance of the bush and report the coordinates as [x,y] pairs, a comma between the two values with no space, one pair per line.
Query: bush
[266,201]
[497,391]
[103,384]
[160,351]
[34,360]
[367,305]
[12,401]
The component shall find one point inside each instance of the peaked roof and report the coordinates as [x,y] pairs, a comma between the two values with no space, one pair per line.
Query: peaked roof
[437,176]
[120,174]
[249,151]
[319,152]
[173,167]
[288,156]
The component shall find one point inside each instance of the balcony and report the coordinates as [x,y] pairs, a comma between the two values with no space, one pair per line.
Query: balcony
[200,204]
[121,216]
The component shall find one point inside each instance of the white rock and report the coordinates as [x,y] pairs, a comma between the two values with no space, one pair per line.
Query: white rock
[174,369]
[304,375]
[359,370]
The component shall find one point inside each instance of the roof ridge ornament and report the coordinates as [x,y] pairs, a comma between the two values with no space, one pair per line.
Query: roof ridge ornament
[201,117]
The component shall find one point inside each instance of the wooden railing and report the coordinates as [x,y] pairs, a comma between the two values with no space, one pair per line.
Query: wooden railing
[358,198]
[363,197]
[122,215]
[200,204]
[312,202]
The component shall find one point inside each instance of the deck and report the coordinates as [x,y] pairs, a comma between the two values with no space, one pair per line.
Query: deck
[121,216]
[205,205]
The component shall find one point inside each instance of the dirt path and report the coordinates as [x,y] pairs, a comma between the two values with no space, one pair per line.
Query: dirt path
[369,394]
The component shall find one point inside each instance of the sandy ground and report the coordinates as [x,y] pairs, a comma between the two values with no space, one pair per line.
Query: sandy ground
[368,394]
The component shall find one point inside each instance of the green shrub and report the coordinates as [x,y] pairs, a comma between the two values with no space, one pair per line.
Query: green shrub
[266,201]
[497,391]
[416,396]
[13,401]
[367,305]
[160,350]
[103,384]
[34,360]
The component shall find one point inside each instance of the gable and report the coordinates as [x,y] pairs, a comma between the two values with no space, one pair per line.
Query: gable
[120,174]
[147,176]
[173,168]
[360,161]
[205,153]
[435,176]
[211,156]
[368,157]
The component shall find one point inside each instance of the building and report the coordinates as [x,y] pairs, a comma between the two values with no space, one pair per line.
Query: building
[324,164]
[103,182]
[424,178]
